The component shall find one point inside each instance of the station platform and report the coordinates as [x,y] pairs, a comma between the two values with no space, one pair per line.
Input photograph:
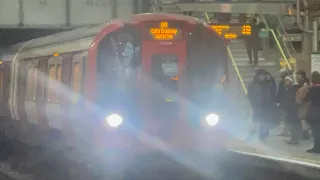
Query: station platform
[276,148]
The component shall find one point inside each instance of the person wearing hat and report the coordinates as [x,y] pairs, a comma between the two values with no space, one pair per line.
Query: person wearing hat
[279,100]
[290,109]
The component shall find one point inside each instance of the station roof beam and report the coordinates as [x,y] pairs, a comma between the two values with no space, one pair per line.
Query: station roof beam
[280,8]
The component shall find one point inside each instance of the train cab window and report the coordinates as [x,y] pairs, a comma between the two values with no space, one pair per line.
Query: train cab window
[51,85]
[119,55]
[32,84]
[76,82]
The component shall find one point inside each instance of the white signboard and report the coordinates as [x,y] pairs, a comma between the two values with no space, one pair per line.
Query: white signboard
[315,62]
[125,8]
[84,12]
[44,13]
[9,13]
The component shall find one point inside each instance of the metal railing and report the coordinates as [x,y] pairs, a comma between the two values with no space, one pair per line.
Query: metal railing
[281,49]
[282,30]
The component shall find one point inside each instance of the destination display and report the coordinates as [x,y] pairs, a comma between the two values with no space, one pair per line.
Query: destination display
[230,31]
[164,31]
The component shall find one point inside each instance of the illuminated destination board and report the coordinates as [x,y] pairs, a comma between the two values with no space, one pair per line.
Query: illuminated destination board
[164,31]
[232,31]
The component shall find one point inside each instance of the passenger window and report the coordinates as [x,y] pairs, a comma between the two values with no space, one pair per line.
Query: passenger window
[76,84]
[51,84]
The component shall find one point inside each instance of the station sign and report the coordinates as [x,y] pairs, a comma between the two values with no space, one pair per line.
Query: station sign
[292,37]
[315,62]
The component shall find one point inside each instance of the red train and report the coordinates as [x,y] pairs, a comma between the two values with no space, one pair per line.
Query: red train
[126,87]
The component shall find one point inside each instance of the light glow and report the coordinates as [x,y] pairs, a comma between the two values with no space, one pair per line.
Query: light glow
[114,120]
[212,119]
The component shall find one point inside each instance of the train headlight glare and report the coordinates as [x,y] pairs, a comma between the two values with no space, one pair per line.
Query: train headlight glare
[114,120]
[212,119]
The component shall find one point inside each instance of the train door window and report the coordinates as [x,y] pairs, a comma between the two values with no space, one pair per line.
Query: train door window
[55,78]
[78,72]
[1,82]
[34,87]
[59,73]
[165,70]
[31,83]
[51,86]
[76,83]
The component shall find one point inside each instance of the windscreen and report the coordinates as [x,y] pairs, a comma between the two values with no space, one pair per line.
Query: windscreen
[206,62]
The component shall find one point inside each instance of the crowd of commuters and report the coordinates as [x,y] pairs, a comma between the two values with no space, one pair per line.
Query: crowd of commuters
[296,100]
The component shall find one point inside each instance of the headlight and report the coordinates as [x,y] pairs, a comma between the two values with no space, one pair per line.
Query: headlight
[114,120]
[212,119]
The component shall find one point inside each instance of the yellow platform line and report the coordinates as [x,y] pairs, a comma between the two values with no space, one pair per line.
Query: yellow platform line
[294,160]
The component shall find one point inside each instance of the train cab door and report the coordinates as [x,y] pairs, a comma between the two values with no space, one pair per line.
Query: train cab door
[163,64]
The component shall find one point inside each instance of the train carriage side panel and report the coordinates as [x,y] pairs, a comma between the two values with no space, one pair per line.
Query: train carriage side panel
[29,98]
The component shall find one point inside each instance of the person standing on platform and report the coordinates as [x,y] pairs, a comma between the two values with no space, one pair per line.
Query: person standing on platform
[280,100]
[290,108]
[313,114]
[253,41]
[261,95]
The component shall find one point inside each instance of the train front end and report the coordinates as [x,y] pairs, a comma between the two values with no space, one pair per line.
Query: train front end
[160,83]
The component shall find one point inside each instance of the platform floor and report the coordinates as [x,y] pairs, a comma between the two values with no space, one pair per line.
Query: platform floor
[276,148]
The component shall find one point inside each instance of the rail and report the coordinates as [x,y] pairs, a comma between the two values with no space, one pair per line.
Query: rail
[290,48]
[283,54]
[233,61]
[237,71]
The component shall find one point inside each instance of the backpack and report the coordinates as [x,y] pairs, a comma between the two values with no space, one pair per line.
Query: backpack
[301,94]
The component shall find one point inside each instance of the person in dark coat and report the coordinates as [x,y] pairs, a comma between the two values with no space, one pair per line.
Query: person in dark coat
[253,42]
[261,95]
[290,108]
[313,115]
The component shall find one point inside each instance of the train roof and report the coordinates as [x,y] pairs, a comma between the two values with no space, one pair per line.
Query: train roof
[91,31]
[82,38]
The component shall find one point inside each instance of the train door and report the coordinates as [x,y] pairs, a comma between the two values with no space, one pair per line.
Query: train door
[54,91]
[5,84]
[77,100]
[163,62]
[31,90]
